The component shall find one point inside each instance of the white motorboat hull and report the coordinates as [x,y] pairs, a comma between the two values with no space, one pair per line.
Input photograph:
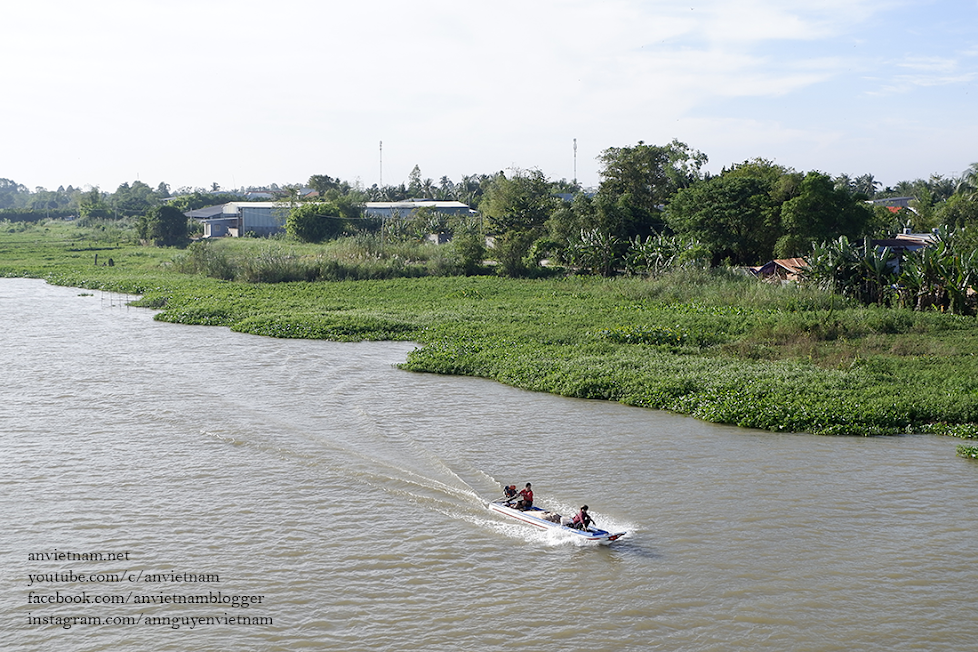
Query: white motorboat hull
[538,518]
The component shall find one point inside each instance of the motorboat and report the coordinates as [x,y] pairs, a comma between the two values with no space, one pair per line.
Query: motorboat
[548,520]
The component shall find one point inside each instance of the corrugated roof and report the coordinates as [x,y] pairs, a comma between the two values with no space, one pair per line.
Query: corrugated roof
[411,205]
[793,265]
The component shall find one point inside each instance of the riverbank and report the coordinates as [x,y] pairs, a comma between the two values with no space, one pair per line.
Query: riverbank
[715,345]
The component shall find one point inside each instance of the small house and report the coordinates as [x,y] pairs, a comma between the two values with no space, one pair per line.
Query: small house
[782,269]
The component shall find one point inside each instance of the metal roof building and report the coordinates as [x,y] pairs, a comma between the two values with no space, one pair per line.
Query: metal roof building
[404,209]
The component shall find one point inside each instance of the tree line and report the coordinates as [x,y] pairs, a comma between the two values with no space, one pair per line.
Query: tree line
[655,206]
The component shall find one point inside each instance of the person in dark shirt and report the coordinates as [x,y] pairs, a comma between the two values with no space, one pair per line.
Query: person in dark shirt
[509,493]
[582,520]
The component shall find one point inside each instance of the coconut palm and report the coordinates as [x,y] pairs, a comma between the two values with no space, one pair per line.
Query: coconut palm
[904,189]
[941,187]
[867,185]
[968,183]
[844,182]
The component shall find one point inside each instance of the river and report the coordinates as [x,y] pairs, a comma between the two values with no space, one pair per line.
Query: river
[313,496]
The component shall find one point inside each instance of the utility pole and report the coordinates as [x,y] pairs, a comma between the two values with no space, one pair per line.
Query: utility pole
[381,164]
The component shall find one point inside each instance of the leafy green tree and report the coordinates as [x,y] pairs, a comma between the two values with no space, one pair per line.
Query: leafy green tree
[820,212]
[323,220]
[520,203]
[199,199]
[44,200]
[942,275]
[322,183]
[886,222]
[92,205]
[959,212]
[924,214]
[471,188]
[163,226]
[734,216]
[469,247]
[941,187]
[641,180]
[515,210]
[568,221]
[424,221]
[418,187]
[446,190]
[845,182]
[12,193]
[876,273]
[832,265]
[902,189]
[511,252]
[133,200]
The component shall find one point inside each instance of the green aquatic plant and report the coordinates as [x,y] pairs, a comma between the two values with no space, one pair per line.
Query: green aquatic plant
[655,335]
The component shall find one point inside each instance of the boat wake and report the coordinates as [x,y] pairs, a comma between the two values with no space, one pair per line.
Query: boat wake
[401,467]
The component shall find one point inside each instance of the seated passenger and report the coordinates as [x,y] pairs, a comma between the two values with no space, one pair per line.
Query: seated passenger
[582,520]
[509,492]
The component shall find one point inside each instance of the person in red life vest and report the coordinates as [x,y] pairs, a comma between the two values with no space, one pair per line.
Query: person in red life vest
[582,520]
[526,498]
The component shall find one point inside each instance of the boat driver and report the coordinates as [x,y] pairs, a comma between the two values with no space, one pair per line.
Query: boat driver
[582,520]
[526,498]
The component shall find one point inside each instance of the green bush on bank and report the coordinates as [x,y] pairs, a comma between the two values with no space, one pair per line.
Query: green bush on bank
[361,257]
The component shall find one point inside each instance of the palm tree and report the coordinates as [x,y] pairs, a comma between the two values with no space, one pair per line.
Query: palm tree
[968,183]
[428,189]
[941,187]
[904,188]
[844,182]
[867,184]
[446,189]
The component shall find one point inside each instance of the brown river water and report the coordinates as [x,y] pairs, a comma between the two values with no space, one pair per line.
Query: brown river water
[168,487]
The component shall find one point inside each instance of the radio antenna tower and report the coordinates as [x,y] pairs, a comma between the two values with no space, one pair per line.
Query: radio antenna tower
[381,164]
[575,161]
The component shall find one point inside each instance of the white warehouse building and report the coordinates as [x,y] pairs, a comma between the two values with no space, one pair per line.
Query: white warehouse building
[264,218]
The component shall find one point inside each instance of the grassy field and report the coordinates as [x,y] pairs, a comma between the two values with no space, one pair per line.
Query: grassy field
[716,345]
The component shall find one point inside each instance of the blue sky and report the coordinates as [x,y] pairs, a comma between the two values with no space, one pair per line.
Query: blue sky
[250,93]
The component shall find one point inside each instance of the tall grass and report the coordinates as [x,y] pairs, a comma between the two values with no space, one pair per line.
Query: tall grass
[362,257]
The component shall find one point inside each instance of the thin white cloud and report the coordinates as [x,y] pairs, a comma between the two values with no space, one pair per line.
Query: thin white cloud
[931,65]
[925,71]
